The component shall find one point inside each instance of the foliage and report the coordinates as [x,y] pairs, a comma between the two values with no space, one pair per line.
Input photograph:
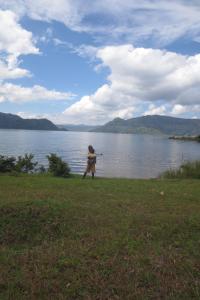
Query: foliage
[41,169]
[7,164]
[25,164]
[57,166]
[186,170]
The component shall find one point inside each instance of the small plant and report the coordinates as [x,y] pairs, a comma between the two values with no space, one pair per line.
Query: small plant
[25,164]
[57,166]
[7,164]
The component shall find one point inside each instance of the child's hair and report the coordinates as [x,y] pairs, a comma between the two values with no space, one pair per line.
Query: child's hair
[91,149]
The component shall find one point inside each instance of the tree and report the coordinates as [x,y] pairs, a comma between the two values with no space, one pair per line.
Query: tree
[7,164]
[57,166]
[25,164]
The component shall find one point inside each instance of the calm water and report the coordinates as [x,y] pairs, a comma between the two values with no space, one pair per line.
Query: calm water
[124,155]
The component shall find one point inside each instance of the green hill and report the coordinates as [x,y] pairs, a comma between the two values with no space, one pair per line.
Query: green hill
[10,121]
[152,125]
[99,239]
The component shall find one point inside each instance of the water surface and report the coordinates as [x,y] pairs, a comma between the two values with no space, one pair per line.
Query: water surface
[124,155]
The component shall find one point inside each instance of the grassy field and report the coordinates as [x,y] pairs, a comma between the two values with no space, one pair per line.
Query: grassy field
[99,239]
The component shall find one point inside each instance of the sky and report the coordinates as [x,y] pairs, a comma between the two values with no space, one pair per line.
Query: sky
[90,61]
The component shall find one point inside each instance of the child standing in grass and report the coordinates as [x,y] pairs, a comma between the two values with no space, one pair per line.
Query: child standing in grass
[91,162]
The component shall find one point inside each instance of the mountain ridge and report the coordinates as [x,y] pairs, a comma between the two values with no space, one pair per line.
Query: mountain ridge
[11,121]
[152,124]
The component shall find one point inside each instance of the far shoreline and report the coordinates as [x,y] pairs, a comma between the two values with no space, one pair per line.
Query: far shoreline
[186,138]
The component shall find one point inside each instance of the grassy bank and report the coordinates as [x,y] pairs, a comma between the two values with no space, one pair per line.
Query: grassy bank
[101,239]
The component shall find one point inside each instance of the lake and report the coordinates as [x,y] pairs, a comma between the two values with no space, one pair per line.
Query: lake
[124,155]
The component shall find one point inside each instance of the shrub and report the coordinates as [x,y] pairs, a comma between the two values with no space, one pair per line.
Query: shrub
[25,164]
[186,170]
[41,169]
[57,166]
[7,164]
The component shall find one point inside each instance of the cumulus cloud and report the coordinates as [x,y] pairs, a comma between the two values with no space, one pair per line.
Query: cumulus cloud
[18,94]
[159,79]
[14,41]
[129,19]
[13,38]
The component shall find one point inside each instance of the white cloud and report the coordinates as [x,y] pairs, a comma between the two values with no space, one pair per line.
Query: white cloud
[153,110]
[140,77]
[7,72]
[13,38]
[85,51]
[29,115]
[132,20]
[14,41]
[18,94]
[179,109]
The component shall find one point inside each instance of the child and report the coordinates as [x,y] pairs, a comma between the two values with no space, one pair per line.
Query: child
[90,162]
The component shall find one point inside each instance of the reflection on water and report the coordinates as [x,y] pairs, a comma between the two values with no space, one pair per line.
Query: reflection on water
[124,155]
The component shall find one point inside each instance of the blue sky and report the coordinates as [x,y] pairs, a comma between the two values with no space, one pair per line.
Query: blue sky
[75,63]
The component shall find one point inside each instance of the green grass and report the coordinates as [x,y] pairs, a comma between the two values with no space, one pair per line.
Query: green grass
[99,239]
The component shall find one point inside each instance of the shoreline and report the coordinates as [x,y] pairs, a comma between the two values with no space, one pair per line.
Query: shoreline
[186,138]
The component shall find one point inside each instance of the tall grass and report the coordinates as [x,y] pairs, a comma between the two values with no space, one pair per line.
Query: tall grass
[186,170]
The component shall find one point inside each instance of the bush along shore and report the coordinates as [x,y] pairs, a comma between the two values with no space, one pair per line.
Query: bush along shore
[103,239]
[26,164]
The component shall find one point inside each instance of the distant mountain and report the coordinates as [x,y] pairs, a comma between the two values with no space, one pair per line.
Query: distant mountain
[10,121]
[80,127]
[152,125]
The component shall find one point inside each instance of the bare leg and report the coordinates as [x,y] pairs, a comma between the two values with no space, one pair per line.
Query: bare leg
[84,175]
